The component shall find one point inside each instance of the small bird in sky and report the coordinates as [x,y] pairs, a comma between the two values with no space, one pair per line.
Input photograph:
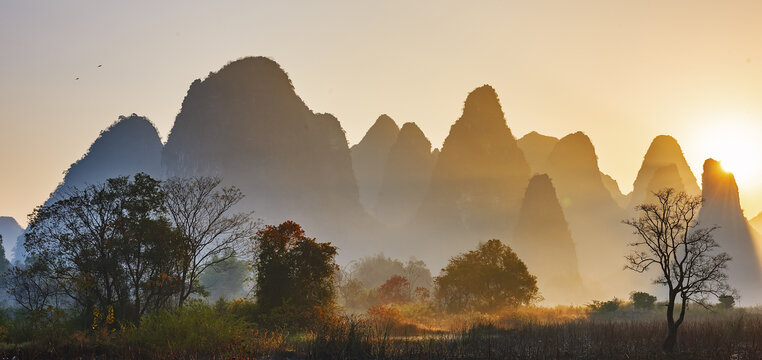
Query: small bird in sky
[76,79]
[100,65]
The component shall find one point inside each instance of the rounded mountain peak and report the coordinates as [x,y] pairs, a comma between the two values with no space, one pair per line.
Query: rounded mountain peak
[410,132]
[663,147]
[575,150]
[483,104]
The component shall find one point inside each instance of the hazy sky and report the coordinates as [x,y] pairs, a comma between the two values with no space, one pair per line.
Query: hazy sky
[622,72]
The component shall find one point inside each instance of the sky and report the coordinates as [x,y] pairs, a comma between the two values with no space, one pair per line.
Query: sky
[620,71]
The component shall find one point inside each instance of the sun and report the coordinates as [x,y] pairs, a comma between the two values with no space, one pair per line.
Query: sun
[735,142]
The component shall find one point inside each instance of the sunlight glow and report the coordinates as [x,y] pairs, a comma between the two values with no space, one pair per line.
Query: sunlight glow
[735,141]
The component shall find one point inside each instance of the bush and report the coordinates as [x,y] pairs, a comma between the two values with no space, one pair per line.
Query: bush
[604,307]
[196,328]
[642,300]
[726,302]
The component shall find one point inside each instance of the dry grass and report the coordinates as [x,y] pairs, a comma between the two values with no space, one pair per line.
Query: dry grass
[419,331]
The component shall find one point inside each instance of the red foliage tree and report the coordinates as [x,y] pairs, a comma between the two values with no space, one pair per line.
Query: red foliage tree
[395,290]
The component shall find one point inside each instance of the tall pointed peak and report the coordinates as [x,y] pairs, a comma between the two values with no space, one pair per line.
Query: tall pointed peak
[382,133]
[720,190]
[663,152]
[369,158]
[542,238]
[540,186]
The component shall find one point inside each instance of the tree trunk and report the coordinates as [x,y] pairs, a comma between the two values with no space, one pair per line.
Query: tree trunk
[669,343]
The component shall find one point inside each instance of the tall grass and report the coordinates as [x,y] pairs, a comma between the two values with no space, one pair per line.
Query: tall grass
[411,331]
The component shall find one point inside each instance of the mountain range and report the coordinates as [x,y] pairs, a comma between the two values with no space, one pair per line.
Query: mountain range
[546,197]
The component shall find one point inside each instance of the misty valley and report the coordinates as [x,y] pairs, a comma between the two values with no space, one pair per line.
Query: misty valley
[256,231]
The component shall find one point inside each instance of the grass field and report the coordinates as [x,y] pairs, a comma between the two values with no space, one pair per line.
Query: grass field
[208,332]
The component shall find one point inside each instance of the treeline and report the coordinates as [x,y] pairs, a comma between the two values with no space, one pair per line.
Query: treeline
[108,256]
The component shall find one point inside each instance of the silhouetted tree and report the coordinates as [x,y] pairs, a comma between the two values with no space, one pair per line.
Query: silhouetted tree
[293,269]
[486,279]
[107,245]
[642,300]
[201,211]
[669,238]
[32,287]
[727,301]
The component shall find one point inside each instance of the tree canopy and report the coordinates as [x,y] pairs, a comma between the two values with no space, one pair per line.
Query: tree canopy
[486,279]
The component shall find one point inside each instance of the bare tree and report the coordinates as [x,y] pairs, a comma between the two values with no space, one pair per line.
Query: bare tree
[669,238]
[201,211]
[32,287]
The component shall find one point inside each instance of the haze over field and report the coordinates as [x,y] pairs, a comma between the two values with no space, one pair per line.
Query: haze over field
[386,180]
[396,180]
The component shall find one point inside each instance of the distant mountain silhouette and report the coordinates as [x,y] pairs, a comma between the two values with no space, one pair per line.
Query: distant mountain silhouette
[10,231]
[536,148]
[129,146]
[406,176]
[722,208]
[246,124]
[613,187]
[369,159]
[664,151]
[543,241]
[756,222]
[480,175]
[593,215]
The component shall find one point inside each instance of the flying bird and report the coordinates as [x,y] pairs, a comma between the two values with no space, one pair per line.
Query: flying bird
[100,65]
[76,79]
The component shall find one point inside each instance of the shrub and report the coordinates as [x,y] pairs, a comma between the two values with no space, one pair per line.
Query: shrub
[642,300]
[196,328]
[603,307]
[726,302]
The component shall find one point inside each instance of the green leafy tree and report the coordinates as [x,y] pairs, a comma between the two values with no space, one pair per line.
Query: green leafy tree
[486,279]
[294,270]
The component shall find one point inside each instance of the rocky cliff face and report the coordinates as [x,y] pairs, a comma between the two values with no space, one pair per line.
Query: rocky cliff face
[722,208]
[369,159]
[543,241]
[246,124]
[480,175]
[406,176]
[663,152]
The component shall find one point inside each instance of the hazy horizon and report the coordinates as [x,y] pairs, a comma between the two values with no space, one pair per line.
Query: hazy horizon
[620,72]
